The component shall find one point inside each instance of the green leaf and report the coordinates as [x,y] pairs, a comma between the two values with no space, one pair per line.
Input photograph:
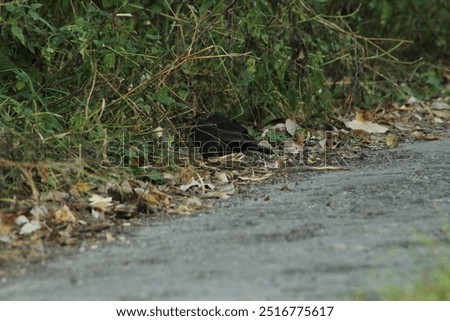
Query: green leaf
[386,12]
[34,15]
[162,96]
[156,177]
[110,60]
[17,32]
[156,9]
[20,85]
[47,53]
[10,7]
[251,65]
[35,6]
[183,94]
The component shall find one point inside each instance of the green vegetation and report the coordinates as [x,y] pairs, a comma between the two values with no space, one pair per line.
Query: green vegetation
[81,78]
[431,284]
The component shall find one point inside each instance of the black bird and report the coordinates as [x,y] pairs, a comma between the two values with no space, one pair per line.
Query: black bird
[217,135]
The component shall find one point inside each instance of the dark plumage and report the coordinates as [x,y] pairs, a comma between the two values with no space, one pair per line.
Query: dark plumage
[217,135]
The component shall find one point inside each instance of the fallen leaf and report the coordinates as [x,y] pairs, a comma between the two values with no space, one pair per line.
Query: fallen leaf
[273,165]
[126,187]
[157,197]
[187,174]
[96,214]
[440,105]
[81,188]
[442,113]
[109,237]
[190,205]
[150,198]
[21,220]
[5,239]
[39,211]
[391,141]
[100,203]
[420,135]
[411,100]
[195,183]
[221,177]
[227,188]
[299,138]
[290,147]
[4,228]
[30,227]
[221,192]
[366,126]
[291,126]
[56,196]
[255,178]
[64,214]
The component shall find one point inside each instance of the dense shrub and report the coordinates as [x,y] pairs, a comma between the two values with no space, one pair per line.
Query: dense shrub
[75,74]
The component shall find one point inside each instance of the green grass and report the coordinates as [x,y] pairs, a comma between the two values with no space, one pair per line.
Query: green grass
[431,283]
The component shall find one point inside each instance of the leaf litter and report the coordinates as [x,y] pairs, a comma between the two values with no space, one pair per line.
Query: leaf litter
[89,213]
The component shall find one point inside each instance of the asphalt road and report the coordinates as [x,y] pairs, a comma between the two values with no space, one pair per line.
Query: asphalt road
[323,238]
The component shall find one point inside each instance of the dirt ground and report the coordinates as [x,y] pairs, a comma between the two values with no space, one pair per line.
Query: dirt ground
[307,236]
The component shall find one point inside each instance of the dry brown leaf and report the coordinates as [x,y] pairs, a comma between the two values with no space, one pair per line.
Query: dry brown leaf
[405,108]
[187,174]
[440,105]
[359,116]
[255,178]
[157,197]
[290,147]
[221,192]
[226,188]
[157,132]
[366,126]
[5,239]
[391,141]
[442,113]
[39,211]
[195,183]
[29,227]
[100,203]
[389,117]
[412,100]
[81,188]
[21,220]
[5,229]
[151,198]
[221,177]
[109,237]
[291,126]
[299,138]
[189,206]
[420,135]
[126,187]
[64,214]
[446,74]
[56,196]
